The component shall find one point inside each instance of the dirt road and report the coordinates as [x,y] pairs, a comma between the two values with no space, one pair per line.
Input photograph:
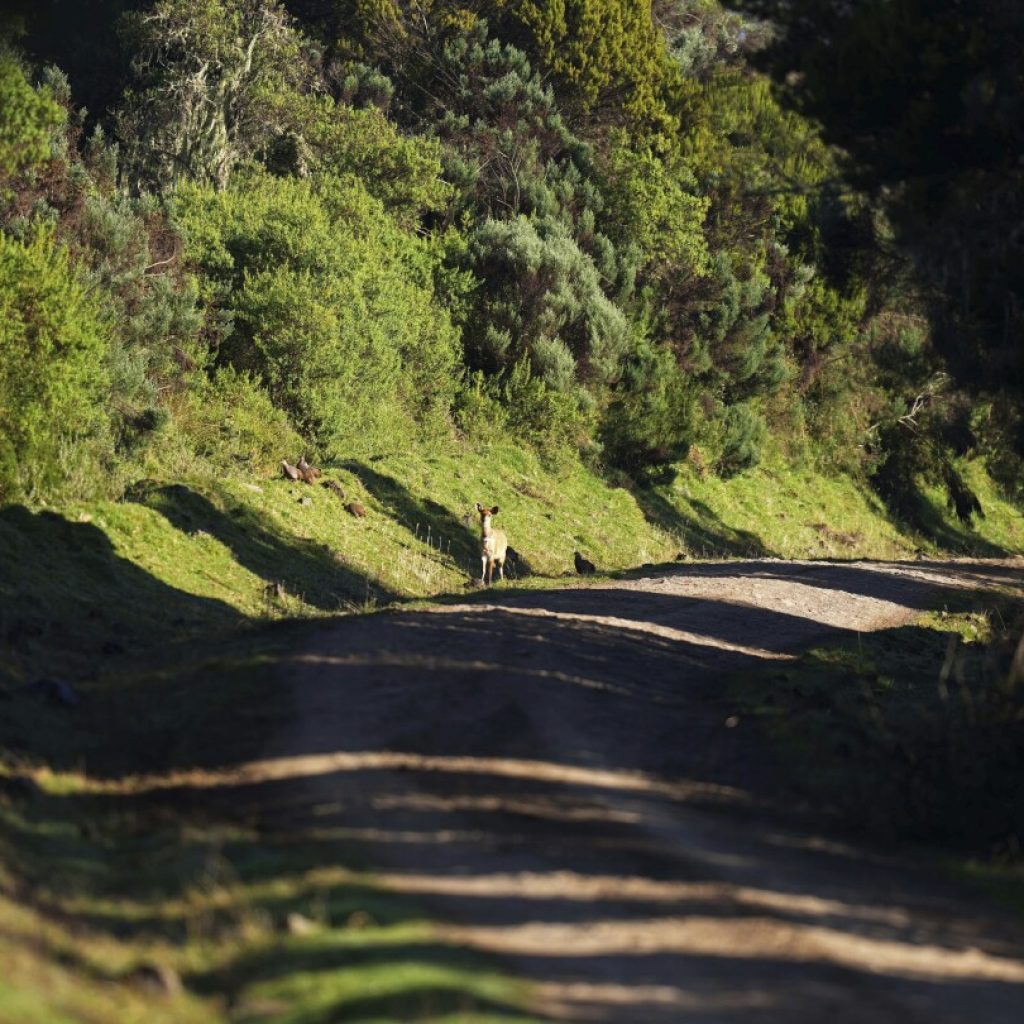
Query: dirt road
[553,774]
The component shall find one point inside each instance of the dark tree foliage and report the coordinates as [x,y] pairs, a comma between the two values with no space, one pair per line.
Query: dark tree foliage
[79,38]
[927,97]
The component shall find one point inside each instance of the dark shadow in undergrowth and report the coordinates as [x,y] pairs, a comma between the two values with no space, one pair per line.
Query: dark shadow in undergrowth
[700,529]
[915,511]
[305,569]
[457,536]
[908,734]
[69,602]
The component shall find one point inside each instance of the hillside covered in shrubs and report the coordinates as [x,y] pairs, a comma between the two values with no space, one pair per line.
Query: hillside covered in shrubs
[640,235]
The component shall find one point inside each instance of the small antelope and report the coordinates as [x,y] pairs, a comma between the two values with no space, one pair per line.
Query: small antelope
[493,546]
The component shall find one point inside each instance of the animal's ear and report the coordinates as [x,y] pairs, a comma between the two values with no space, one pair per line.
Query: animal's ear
[479,507]
[494,511]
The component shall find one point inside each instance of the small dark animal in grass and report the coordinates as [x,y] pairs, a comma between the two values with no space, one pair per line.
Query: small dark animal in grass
[274,590]
[356,509]
[515,562]
[333,485]
[307,472]
[290,471]
[583,565]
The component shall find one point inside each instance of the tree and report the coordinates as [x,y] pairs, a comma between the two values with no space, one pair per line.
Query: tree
[28,119]
[927,98]
[652,204]
[403,171]
[650,419]
[541,296]
[608,56]
[54,336]
[213,84]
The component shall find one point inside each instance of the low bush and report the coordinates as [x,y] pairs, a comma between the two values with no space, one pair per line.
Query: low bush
[743,434]
[54,335]
[332,307]
[917,734]
[227,420]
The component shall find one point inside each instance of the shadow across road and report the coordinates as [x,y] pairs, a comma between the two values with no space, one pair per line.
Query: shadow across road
[556,779]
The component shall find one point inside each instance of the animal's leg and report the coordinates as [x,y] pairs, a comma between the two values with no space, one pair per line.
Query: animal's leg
[483,568]
[501,569]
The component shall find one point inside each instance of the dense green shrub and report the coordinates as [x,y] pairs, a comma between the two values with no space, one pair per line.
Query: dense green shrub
[743,434]
[403,171]
[54,337]
[332,304]
[541,296]
[606,54]
[509,149]
[28,118]
[519,403]
[554,420]
[124,251]
[226,419]
[652,205]
[479,413]
[650,420]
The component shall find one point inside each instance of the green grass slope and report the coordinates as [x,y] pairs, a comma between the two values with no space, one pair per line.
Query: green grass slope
[222,550]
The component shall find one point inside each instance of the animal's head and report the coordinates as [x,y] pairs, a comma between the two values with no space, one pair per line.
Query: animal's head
[486,513]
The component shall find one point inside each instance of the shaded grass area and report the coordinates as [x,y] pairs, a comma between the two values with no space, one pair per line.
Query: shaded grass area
[105,893]
[912,733]
[702,532]
[69,600]
[301,565]
[780,510]
[998,531]
[101,900]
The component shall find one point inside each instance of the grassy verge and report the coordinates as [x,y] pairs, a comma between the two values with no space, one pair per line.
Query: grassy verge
[179,920]
[110,912]
[778,509]
[912,733]
[87,585]
[172,561]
